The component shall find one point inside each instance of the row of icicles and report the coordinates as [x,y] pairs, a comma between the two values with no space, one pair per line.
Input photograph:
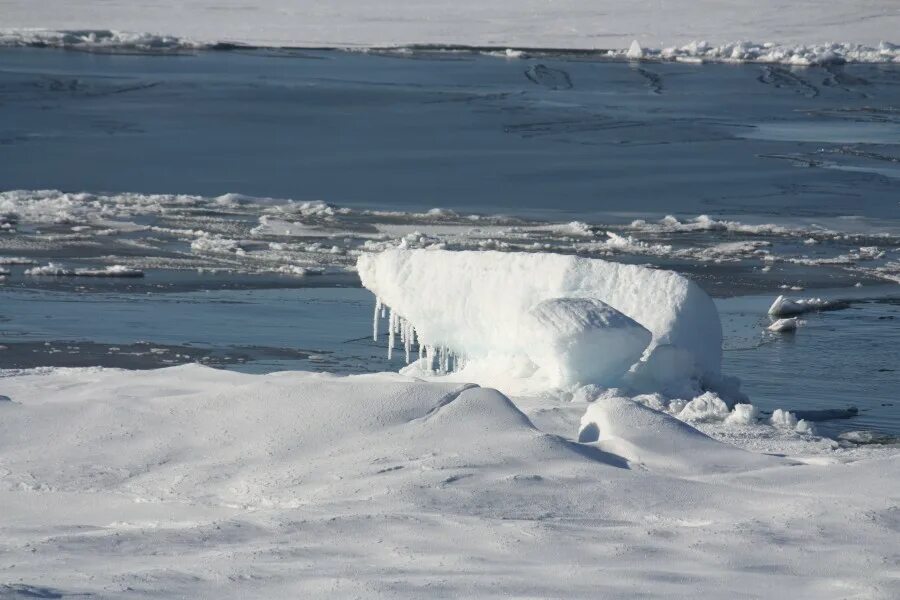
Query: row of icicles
[439,359]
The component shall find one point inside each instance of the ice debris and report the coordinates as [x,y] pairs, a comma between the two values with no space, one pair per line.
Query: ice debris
[784,307]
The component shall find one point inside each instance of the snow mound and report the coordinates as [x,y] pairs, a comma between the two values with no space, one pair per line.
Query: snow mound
[480,313]
[660,442]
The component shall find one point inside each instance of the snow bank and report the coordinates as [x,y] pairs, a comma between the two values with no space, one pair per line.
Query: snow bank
[656,440]
[804,34]
[485,307]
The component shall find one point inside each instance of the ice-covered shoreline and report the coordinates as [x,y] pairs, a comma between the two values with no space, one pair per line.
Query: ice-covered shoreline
[696,51]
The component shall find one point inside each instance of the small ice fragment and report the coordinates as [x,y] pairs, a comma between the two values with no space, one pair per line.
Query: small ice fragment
[635,51]
[704,408]
[784,325]
[804,426]
[783,419]
[743,414]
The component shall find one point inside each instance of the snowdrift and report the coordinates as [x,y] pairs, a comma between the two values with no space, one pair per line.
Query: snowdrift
[521,321]
[193,482]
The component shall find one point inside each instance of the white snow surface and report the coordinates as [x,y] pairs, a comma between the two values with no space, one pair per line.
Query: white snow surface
[487,308]
[194,482]
[795,32]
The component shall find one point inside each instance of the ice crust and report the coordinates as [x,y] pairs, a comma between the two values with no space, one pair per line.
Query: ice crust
[487,307]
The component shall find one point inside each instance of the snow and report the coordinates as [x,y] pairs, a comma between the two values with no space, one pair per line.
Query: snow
[194,482]
[484,307]
[583,341]
[799,32]
[783,306]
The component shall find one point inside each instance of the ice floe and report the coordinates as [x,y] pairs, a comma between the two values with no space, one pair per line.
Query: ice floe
[508,313]
[785,307]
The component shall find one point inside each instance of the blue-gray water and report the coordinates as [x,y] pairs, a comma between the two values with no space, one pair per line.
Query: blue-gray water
[582,137]
[547,138]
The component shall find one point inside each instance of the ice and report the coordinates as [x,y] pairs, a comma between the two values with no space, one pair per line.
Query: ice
[95,39]
[784,325]
[784,419]
[238,233]
[481,306]
[635,51]
[57,270]
[686,30]
[784,306]
[583,341]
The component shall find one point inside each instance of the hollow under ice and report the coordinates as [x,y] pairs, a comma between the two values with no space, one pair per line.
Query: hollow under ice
[525,322]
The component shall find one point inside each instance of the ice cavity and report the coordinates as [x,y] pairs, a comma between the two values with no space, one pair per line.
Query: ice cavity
[524,322]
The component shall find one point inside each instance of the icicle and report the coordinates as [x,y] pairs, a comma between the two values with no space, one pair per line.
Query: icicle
[378,309]
[392,326]
[407,340]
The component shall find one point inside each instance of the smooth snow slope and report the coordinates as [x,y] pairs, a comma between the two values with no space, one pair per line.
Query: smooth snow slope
[600,24]
[192,482]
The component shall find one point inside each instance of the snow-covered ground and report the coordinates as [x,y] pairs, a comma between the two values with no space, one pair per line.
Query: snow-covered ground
[802,30]
[201,483]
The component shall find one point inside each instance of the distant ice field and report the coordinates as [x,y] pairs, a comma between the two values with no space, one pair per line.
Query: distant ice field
[796,32]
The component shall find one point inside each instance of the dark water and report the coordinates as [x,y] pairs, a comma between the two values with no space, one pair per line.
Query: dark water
[464,131]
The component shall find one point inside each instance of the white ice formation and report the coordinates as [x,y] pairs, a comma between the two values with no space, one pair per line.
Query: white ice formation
[785,307]
[784,325]
[525,322]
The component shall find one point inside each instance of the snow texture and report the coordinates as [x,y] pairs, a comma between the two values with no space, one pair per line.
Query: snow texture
[801,32]
[198,483]
[486,307]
